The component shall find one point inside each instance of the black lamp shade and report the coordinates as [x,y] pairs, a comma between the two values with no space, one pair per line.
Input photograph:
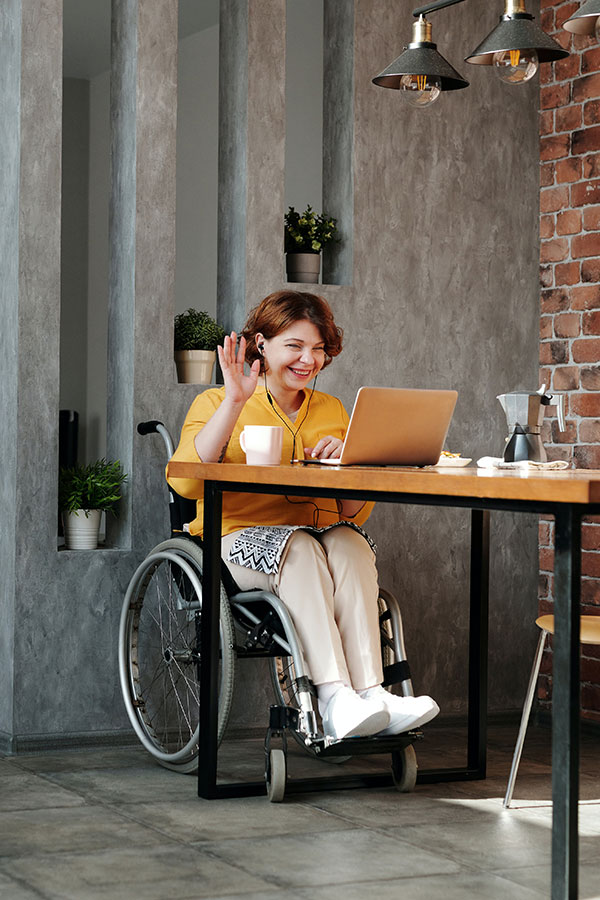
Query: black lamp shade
[517,31]
[421,59]
[584,20]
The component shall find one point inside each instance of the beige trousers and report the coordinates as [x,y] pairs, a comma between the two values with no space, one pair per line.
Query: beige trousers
[329,584]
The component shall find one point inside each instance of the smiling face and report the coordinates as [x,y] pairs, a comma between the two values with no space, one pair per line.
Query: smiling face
[293,357]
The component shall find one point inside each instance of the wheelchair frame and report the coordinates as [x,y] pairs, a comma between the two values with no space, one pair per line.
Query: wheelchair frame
[159,660]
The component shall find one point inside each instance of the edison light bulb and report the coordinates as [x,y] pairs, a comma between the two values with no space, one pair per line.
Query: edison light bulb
[515,66]
[420,90]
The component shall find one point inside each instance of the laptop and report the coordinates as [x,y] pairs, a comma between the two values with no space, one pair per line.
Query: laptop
[395,427]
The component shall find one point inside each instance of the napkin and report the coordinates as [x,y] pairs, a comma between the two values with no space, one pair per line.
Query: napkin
[496,462]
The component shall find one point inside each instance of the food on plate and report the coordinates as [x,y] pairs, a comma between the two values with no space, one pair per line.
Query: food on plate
[450,455]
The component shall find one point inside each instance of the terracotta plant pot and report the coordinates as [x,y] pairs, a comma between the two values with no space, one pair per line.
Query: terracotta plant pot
[195,366]
[81,528]
[303,267]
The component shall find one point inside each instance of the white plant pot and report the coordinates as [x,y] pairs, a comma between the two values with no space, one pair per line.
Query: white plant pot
[81,530]
[195,366]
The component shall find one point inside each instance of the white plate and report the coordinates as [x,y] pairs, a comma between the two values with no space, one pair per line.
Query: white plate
[453,461]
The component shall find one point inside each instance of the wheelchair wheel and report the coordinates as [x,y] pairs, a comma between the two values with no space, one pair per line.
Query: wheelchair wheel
[385,634]
[158,654]
[404,769]
[276,776]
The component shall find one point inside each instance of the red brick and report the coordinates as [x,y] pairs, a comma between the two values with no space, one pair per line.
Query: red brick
[586,139]
[585,245]
[567,273]
[552,352]
[590,536]
[547,227]
[568,222]
[590,592]
[546,559]
[591,165]
[553,199]
[589,433]
[565,378]
[567,67]
[586,297]
[590,60]
[555,95]
[591,322]
[584,88]
[586,405]
[545,607]
[590,378]
[587,456]
[567,170]
[555,300]
[568,436]
[590,564]
[590,715]
[591,218]
[546,122]
[546,174]
[566,325]
[555,250]
[590,270]
[590,697]
[589,671]
[545,375]
[591,113]
[566,118]
[545,328]
[544,534]
[581,195]
[556,146]
[547,14]
[546,276]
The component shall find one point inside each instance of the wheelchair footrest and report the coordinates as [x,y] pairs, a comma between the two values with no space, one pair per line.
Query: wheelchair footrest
[363,746]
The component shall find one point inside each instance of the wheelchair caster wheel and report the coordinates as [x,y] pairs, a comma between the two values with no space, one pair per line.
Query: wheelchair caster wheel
[404,769]
[276,776]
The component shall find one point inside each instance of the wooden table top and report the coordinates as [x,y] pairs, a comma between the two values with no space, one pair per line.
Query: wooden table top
[550,486]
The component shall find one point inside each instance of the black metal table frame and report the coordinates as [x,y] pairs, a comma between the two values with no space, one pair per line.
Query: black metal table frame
[565,717]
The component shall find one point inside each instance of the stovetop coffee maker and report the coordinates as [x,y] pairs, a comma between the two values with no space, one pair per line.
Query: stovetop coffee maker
[524,415]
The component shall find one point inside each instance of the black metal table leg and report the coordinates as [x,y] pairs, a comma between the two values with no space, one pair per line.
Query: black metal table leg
[478,641]
[209,643]
[565,704]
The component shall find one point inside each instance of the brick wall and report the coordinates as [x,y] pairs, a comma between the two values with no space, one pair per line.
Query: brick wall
[570,298]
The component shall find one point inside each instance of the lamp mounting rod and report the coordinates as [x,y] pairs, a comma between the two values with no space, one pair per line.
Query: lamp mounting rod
[431,7]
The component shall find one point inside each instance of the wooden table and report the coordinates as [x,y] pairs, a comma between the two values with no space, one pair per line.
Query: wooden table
[567,495]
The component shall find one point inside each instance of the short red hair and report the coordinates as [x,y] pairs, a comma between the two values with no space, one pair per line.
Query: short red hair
[280,310]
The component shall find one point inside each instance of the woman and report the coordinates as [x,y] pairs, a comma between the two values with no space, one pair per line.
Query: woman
[310,552]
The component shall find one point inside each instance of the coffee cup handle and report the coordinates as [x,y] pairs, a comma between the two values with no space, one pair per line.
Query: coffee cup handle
[242,441]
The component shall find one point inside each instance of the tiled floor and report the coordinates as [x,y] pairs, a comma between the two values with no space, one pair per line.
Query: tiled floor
[112,825]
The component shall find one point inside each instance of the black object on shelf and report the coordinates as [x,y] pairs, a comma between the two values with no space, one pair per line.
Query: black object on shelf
[68,432]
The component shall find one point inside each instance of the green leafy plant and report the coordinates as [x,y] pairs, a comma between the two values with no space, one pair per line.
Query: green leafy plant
[308,232]
[196,330]
[93,486]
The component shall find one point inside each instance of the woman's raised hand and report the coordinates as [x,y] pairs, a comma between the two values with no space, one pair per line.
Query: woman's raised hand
[238,386]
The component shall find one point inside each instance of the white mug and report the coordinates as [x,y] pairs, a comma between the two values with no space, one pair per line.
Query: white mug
[262,444]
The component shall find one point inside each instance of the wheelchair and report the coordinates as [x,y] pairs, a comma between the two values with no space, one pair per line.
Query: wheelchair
[159,661]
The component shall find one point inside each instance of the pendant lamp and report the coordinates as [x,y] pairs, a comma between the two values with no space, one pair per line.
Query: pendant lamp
[585,20]
[514,48]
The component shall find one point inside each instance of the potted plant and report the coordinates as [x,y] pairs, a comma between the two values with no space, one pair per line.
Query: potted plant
[305,236]
[197,336]
[84,493]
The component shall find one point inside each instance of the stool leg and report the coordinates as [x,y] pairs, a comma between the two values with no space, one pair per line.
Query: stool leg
[525,719]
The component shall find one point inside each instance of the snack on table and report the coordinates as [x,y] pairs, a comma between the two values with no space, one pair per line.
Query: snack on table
[449,455]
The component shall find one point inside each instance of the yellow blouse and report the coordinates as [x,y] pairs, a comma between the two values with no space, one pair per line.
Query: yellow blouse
[325,415]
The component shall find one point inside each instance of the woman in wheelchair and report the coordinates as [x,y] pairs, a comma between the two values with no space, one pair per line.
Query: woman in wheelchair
[312,553]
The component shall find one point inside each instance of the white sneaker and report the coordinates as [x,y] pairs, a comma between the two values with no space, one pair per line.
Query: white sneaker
[405,712]
[348,715]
